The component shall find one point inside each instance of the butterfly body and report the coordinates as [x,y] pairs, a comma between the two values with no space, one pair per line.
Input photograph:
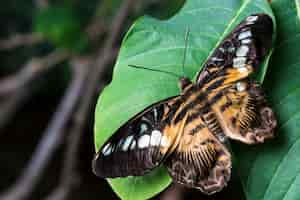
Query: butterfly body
[188,133]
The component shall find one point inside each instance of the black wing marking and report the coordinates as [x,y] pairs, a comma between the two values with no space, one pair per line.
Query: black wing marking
[138,146]
[247,44]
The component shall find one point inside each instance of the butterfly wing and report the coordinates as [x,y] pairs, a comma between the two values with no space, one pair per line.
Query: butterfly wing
[201,160]
[242,50]
[239,103]
[245,114]
[141,144]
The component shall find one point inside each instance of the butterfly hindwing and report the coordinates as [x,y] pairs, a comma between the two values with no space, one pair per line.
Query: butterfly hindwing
[240,104]
[201,160]
[141,144]
[244,113]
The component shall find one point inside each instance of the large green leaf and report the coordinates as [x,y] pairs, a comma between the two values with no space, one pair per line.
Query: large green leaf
[155,43]
[272,171]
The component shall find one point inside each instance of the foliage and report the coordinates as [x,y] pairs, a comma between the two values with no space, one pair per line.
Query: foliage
[61,26]
[155,43]
[272,171]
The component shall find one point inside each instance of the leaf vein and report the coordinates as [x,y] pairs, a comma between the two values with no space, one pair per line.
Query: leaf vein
[283,157]
[199,9]
[290,185]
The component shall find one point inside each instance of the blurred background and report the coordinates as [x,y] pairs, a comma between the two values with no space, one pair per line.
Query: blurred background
[56,56]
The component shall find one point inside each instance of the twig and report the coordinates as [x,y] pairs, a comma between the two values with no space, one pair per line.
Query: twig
[17,85]
[41,4]
[96,29]
[18,40]
[69,176]
[12,104]
[97,69]
[50,140]
[32,69]
[53,135]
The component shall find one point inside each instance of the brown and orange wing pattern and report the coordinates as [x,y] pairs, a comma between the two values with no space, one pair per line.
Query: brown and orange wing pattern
[201,160]
[239,103]
[244,113]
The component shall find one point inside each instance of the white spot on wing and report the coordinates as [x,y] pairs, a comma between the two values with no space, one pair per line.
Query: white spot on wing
[107,149]
[127,143]
[244,35]
[242,51]
[164,141]
[155,138]
[143,141]
[239,62]
[216,59]
[246,41]
[143,127]
[155,114]
[222,49]
[144,118]
[133,144]
[243,69]
[231,49]
[252,18]
[240,86]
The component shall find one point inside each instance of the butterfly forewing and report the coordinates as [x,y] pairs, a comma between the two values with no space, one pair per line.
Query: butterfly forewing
[243,50]
[240,104]
[141,144]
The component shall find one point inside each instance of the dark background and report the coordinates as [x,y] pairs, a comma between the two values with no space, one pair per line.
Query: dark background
[44,45]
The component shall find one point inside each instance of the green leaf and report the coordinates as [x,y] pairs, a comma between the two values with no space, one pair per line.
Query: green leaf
[272,171]
[154,43]
[61,26]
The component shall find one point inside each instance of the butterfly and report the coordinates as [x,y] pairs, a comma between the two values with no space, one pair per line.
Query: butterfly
[189,133]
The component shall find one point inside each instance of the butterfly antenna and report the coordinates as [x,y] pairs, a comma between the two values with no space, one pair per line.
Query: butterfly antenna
[187,33]
[156,70]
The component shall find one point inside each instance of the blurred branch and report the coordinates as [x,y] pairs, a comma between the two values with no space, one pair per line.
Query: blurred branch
[41,4]
[96,29]
[12,104]
[50,140]
[69,176]
[105,55]
[17,86]
[18,40]
[31,70]
[53,135]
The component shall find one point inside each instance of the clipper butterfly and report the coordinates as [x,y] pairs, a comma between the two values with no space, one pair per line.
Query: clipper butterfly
[188,133]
